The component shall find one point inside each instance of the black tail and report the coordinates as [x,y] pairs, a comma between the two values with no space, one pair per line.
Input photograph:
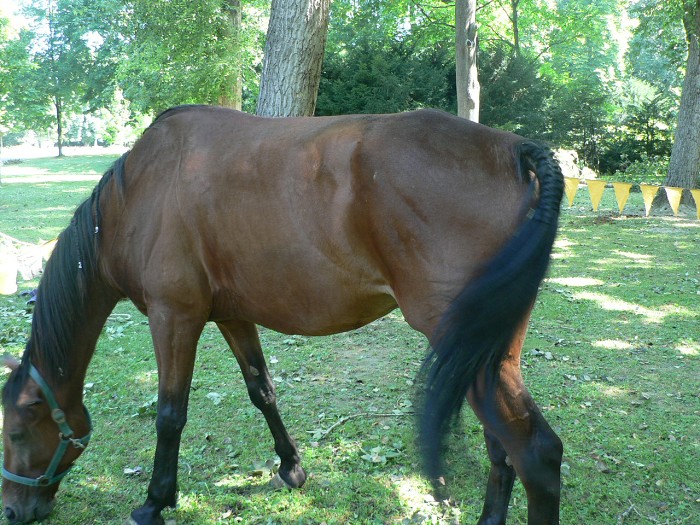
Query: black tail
[479,325]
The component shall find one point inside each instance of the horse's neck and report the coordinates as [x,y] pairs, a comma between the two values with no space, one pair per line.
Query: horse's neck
[69,376]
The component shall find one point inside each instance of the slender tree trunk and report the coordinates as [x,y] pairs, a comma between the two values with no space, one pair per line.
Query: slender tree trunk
[296,38]
[466,50]
[516,28]
[684,166]
[59,124]
[232,95]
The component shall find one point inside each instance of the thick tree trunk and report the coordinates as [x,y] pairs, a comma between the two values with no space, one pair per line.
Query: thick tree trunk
[684,166]
[296,38]
[466,50]
[232,96]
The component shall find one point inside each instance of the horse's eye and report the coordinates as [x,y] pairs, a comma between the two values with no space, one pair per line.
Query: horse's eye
[16,437]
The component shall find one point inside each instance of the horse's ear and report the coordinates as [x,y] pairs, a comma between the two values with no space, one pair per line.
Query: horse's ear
[10,362]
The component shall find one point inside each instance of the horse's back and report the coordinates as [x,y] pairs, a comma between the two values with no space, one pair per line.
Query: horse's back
[312,225]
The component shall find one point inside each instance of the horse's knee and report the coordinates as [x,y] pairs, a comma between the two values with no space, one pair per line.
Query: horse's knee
[170,420]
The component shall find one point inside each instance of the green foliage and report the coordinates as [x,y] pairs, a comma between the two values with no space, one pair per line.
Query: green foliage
[381,58]
[364,79]
[184,52]
[514,94]
[645,169]
[600,77]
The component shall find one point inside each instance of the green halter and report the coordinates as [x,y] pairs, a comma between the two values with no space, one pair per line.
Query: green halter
[65,435]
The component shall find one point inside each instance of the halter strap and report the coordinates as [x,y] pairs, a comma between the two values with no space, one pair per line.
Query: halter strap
[65,435]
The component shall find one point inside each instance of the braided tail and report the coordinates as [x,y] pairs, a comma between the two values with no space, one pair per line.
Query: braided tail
[479,325]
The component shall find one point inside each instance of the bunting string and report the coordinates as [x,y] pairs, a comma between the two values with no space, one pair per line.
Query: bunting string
[596,188]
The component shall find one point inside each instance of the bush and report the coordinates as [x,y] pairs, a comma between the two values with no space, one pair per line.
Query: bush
[648,170]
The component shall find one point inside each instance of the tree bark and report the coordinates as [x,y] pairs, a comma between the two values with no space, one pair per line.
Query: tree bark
[684,165]
[59,124]
[466,44]
[516,28]
[296,38]
[232,96]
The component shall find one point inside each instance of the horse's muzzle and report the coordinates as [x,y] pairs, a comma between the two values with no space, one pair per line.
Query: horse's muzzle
[28,514]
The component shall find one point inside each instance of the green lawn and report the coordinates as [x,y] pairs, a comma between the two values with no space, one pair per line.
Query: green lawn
[613,358]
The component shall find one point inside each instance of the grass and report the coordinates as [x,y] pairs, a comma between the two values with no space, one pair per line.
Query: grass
[613,358]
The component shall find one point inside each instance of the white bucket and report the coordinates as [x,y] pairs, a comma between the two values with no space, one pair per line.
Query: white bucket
[8,272]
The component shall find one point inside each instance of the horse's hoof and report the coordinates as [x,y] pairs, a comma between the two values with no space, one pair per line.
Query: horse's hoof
[278,483]
[131,521]
[292,478]
[159,520]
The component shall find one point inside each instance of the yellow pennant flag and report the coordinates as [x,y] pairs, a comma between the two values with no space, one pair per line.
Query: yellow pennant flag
[595,190]
[648,194]
[571,187]
[622,193]
[674,198]
[696,198]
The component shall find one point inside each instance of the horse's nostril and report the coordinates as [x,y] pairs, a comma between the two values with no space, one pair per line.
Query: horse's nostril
[10,514]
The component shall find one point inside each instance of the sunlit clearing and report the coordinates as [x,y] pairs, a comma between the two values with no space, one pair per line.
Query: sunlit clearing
[689,348]
[576,281]
[413,492]
[56,177]
[641,258]
[613,344]
[562,249]
[612,391]
[618,305]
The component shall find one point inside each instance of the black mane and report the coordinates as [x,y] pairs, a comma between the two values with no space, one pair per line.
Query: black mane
[61,300]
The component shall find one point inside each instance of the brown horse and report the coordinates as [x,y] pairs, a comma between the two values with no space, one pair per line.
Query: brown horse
[306,226]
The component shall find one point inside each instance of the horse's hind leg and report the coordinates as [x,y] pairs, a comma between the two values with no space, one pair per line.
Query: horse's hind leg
[499,485]
[515,426]
[243,339]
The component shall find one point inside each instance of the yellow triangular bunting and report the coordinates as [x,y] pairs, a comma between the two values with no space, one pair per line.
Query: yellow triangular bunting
[595,190]
[674,198]
[696,198]
[622,193]
[648,193]
[571,187]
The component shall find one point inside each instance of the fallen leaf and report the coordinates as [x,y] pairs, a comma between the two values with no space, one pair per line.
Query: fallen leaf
[602,467]
[215,397]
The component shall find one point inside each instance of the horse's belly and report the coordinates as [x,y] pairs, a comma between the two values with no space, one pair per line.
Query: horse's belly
[312,309]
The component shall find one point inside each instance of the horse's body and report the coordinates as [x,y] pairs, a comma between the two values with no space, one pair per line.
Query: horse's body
[308,226]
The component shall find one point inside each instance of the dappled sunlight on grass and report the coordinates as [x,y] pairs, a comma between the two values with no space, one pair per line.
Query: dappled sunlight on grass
[610,390]
[689,348]
[613,304]
[563,249]
[49,177]
[576,281]
[613,344]
[640,258]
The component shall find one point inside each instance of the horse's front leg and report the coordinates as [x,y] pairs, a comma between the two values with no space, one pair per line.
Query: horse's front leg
[175,342]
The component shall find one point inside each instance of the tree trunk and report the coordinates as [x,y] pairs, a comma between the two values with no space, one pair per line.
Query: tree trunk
[59,125]
[684,166]
[466,49]
[232,95]
[296,38]
[516,28]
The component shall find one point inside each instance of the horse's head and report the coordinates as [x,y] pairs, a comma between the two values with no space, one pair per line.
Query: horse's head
[40,443]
